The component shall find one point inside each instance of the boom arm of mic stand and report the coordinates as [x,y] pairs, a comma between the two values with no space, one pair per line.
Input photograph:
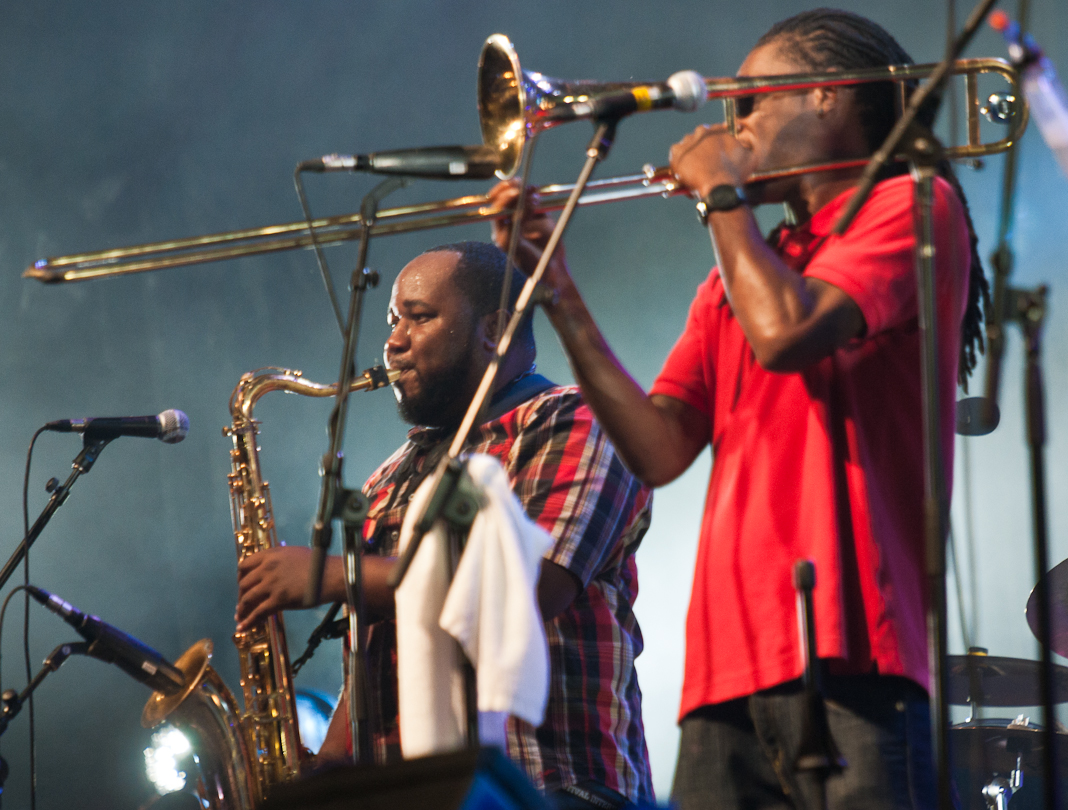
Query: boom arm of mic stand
[904,124]
[83,462]
[322,532]
[351,505]
[12,702]
[447,476]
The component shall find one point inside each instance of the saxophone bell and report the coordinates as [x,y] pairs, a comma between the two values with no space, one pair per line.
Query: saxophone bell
[241,755]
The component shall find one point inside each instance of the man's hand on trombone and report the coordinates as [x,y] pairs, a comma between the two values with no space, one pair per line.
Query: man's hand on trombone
[710,156]
[537,226]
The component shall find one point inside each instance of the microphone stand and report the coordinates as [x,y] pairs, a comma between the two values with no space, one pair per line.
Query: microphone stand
[83,462]
[11,702]
[924,153]
[817,755]
[1027,308]
[453,496]
[349,505]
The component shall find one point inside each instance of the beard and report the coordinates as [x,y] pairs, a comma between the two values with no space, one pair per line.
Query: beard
[443,396]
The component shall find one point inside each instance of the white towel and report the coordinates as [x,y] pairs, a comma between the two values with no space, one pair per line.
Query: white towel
[491,609]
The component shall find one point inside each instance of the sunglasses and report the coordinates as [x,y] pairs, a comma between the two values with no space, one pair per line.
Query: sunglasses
[743,106]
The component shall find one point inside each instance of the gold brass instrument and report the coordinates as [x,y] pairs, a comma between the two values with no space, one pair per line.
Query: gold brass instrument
[242,755]
[513,104]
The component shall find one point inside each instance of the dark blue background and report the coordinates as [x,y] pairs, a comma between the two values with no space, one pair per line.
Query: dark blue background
[128,122]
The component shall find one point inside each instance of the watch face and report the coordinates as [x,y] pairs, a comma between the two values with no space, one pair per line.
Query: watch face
[724,198]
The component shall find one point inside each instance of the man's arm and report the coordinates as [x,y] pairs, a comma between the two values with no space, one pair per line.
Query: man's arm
[274,579]
[789,321]
[657,437]
[334,749]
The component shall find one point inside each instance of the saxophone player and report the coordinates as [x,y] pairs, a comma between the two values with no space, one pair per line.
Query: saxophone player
[590,751]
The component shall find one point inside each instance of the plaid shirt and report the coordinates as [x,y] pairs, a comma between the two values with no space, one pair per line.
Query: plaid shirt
[570,481]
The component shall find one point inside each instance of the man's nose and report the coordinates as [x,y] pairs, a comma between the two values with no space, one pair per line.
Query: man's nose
[397,341]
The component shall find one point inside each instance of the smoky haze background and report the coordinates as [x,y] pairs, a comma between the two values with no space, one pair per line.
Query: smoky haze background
[124,123]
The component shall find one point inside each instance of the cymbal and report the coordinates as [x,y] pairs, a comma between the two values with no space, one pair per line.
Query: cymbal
[992,745]
[993,681]
[1057,582]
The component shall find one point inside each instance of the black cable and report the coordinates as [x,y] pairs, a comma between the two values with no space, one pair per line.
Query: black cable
[26,617]
[324,269]
[329,627]
[3,611]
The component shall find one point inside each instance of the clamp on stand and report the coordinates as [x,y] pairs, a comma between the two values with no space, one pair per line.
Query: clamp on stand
[83,462]
[11,701]
[350,506]
[998,791]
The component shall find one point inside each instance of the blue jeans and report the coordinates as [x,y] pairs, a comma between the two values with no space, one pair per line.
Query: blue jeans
[740,754]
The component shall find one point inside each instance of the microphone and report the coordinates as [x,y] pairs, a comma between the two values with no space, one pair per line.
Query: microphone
[436,162]
[684,91]
[169,426]
[115,647]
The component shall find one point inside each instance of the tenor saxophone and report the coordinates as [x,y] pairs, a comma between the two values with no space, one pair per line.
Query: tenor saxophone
[241,755]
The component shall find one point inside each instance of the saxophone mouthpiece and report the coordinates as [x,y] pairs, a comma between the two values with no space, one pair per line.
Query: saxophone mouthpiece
[378,377]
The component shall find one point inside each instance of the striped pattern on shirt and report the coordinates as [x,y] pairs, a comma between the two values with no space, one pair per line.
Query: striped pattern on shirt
[571,482]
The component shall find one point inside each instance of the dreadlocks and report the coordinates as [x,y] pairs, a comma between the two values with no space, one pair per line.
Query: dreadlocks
[827,39]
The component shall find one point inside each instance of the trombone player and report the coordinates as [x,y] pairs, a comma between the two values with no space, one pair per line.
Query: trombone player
[798,364]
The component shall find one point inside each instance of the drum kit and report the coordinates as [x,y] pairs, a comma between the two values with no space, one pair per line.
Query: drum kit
[991,756]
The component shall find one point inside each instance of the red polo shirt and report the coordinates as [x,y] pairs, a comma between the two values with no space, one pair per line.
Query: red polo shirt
[826,463]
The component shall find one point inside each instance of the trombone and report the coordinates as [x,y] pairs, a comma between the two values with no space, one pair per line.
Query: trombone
[513,104]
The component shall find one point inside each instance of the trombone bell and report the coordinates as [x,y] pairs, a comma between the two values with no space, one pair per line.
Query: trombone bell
[514,103]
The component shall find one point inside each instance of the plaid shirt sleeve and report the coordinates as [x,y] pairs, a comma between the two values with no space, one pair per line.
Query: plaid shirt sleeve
[573,485]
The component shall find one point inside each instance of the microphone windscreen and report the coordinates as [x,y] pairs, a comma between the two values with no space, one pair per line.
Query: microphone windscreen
[173,424]
[689,89]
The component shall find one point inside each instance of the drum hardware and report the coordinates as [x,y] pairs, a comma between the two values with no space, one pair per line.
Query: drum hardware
[1056,582]
[991,757]
[978,679]
[514,105]
[999,790]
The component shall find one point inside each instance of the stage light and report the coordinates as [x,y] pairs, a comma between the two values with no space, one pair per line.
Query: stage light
[163,759]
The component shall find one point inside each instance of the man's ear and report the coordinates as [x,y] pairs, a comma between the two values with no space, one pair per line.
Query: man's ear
[826,99]
[488,329]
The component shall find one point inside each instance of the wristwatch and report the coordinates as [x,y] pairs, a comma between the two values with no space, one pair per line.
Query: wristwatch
[723,197]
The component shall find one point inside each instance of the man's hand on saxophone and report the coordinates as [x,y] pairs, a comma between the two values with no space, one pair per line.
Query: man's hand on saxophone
[274,579]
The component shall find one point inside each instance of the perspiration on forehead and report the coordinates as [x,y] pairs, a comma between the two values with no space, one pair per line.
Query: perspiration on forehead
[430,280]
[479,275]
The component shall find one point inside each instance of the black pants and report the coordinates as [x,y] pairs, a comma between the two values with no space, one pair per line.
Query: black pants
[740,754]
